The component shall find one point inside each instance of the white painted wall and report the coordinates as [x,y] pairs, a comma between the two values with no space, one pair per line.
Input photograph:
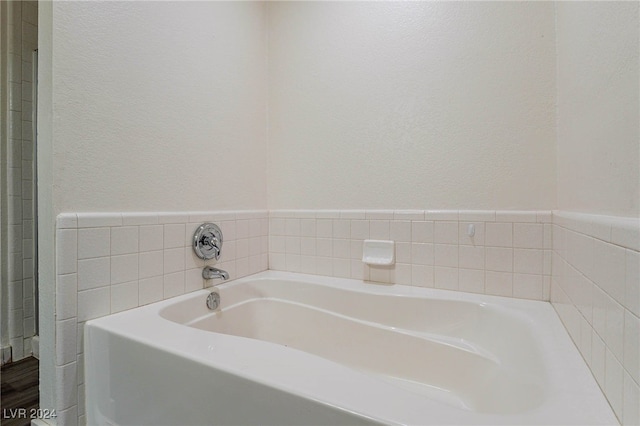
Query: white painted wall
[159,106]
[598,107]
[411,105]
[46,215]
[145,106]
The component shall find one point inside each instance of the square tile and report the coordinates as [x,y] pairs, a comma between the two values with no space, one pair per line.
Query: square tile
[124,268]
[67,251]
[471,280]
[499,259]
[446,255]
[151,237]
[124,240]
[498,234]
[341,228]
[471,257]
[308,264]
[242,248]
[124,296]
[403,253]
[614,383]
[380,274]
[526,286]
[445,232]
[242,229]
[528,235]
[528,261]
[150,290]
[254,228]
[93,273]
[94,303]
[632,345]
[422,254]
[292,227]
[474,228]
[94,242]
[66,334]
[631,407]
[422,231]
[324,247]
[360,229]
[151,264]
[446,278]
[292,245]
[324,228]
[173,285]
[193,279]
[342,250]
[308,246]
[292,262]
[498,283]
[66,387]
[66,296]
[609,269]
[400,231]
[277,261]
[276,226]
[277,244]
[173,260]
[632,282]
[342,268]
[401,274]
[174,235]
[307,227]
[598,359]
[422,275]
[379,229]
[614,334]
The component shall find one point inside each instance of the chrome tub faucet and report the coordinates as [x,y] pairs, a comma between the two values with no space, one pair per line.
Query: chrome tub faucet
[210,273]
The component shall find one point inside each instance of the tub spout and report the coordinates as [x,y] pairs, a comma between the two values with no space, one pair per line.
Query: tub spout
[209,273]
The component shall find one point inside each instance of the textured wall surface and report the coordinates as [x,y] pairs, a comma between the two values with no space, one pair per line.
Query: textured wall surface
[411,105]
[598,107]
[151,98]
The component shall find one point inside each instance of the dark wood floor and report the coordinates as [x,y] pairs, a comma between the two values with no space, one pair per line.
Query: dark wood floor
[19,390]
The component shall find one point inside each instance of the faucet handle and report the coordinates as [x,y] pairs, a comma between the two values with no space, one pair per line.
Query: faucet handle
[207,241]
[211,242]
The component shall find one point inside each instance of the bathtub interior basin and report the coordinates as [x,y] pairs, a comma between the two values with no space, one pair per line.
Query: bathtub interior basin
[470,355]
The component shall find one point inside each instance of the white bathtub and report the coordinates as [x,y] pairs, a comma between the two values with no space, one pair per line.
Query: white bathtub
[297,349]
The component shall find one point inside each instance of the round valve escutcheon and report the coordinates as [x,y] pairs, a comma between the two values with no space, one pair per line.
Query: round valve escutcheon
[207,241]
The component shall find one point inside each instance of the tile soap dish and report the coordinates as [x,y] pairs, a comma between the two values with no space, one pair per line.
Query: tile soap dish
[378,252]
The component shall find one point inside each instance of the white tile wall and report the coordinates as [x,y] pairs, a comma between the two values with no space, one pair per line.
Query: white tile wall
[107,263]
[22,40]
[595,290]
[142,258]
[506,256]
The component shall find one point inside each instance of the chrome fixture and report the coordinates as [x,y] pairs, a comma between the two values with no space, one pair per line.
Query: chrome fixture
[213,300]
[207,241]
[209,273]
